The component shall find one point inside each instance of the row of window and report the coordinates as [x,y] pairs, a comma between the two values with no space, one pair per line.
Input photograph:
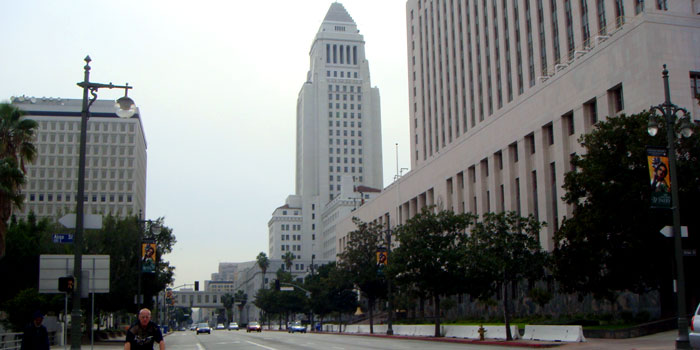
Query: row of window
[66,197]
[91,138]
[286,227]
[345,133]
[345,115]
[345,169]
[345,124]
[62,149]
[53,125]
[345,142]
[342,54]
[337,178]
[345,160]
[284,212]
[345,97]
[345,106]
[69,184]
[95,162]
[295,247]
[294,237]
[344,88]
[345,150]
[342,74]
[99,174]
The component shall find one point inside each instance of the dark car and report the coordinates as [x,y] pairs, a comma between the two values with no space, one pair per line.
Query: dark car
[253,327]
[296,326]
[203,328]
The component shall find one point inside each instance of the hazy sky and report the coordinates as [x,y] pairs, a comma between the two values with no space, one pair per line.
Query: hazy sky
[217,84]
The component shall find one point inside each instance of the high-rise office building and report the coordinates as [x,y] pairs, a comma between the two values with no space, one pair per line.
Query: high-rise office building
[338,135]
[115,167]
[501,90]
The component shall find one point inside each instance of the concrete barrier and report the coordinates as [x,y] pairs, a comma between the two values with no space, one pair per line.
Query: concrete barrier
[554,333]
[472,332]
[404,329]
[426,330]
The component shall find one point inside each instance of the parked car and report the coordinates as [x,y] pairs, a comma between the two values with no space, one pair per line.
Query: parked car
[233,326]
[694,334]
[253,327]
[296,326]
[220,326]
[193,327]
[203,328]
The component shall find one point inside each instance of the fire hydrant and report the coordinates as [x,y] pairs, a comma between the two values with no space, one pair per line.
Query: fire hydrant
[481,332]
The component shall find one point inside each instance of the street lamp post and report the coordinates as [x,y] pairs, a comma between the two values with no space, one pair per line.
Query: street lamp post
[390,298]
[126,109]
[669,112]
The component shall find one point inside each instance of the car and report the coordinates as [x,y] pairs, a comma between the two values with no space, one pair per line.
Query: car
[296,326]
[203,328]
[233,326]
[220,326]
[253,327]
[193,327]
[694,332]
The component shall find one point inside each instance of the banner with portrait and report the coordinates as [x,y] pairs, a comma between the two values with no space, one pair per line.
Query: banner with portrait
[659,177]
[148,257]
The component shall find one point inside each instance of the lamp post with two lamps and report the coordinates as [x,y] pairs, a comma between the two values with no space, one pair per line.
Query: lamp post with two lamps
[125,109]
[669,111]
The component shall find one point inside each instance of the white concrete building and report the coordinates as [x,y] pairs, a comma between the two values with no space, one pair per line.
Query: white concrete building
[338,134]
[115,168]
[500,91]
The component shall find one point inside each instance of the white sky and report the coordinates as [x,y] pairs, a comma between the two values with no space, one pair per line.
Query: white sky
[217,84]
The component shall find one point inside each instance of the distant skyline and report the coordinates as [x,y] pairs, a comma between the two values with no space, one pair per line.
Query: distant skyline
[217,85]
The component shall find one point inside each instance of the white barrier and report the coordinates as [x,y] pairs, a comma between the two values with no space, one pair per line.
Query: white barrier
[426,330]
[472,332]
[554,333]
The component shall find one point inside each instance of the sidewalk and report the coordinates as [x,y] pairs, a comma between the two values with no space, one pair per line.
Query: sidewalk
[659,341]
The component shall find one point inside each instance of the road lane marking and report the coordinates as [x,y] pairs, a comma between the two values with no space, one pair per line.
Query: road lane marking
[200,347]
[260,345]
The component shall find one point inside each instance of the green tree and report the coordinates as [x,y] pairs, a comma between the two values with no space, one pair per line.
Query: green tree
[16,148]
[288,259]
[503,249]
[240,298]
[612,241]
[359,263]
[430,253]
[330,291]
[25,303]
[263,263]
[228,300]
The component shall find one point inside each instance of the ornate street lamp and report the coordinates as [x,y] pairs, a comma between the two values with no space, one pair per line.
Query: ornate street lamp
[125,109]
[670,118]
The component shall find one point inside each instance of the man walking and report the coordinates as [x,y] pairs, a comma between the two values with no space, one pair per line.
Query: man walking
[36,337]
[144,333]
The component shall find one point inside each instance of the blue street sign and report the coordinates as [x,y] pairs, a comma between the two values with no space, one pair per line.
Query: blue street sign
[63,238]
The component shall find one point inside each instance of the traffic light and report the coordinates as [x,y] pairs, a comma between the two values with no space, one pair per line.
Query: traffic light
[65,284]
[277,284]
[196,285]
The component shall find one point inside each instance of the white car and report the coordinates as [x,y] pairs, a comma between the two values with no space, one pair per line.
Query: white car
[694,333]
[233,325]
[220,326]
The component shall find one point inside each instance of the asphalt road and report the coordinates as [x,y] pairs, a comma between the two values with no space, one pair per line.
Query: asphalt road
[271,340]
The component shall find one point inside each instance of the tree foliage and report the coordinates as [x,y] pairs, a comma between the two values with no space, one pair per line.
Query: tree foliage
[263,262]
[16,148]
[612,241]
[429,257]
[503,249]
[359,262]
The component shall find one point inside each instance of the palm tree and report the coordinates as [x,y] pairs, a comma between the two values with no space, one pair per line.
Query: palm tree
[228,301]
[264,263]
[241,298]
[16,148]
[288,258]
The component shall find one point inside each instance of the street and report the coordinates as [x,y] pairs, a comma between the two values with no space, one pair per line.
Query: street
[271,340]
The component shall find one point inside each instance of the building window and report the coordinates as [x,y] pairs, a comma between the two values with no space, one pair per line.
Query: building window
[695,84]
[616,100]
[568,119]
[638,6]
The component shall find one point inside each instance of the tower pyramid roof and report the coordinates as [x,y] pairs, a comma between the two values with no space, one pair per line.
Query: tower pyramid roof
[337,13]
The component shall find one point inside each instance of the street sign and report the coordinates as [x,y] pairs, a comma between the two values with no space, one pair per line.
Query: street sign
[287,289]
[668,231]
[90,221]
[63,238]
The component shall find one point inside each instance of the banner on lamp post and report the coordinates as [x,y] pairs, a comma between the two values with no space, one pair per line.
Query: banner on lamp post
[148,257]
[659,175]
